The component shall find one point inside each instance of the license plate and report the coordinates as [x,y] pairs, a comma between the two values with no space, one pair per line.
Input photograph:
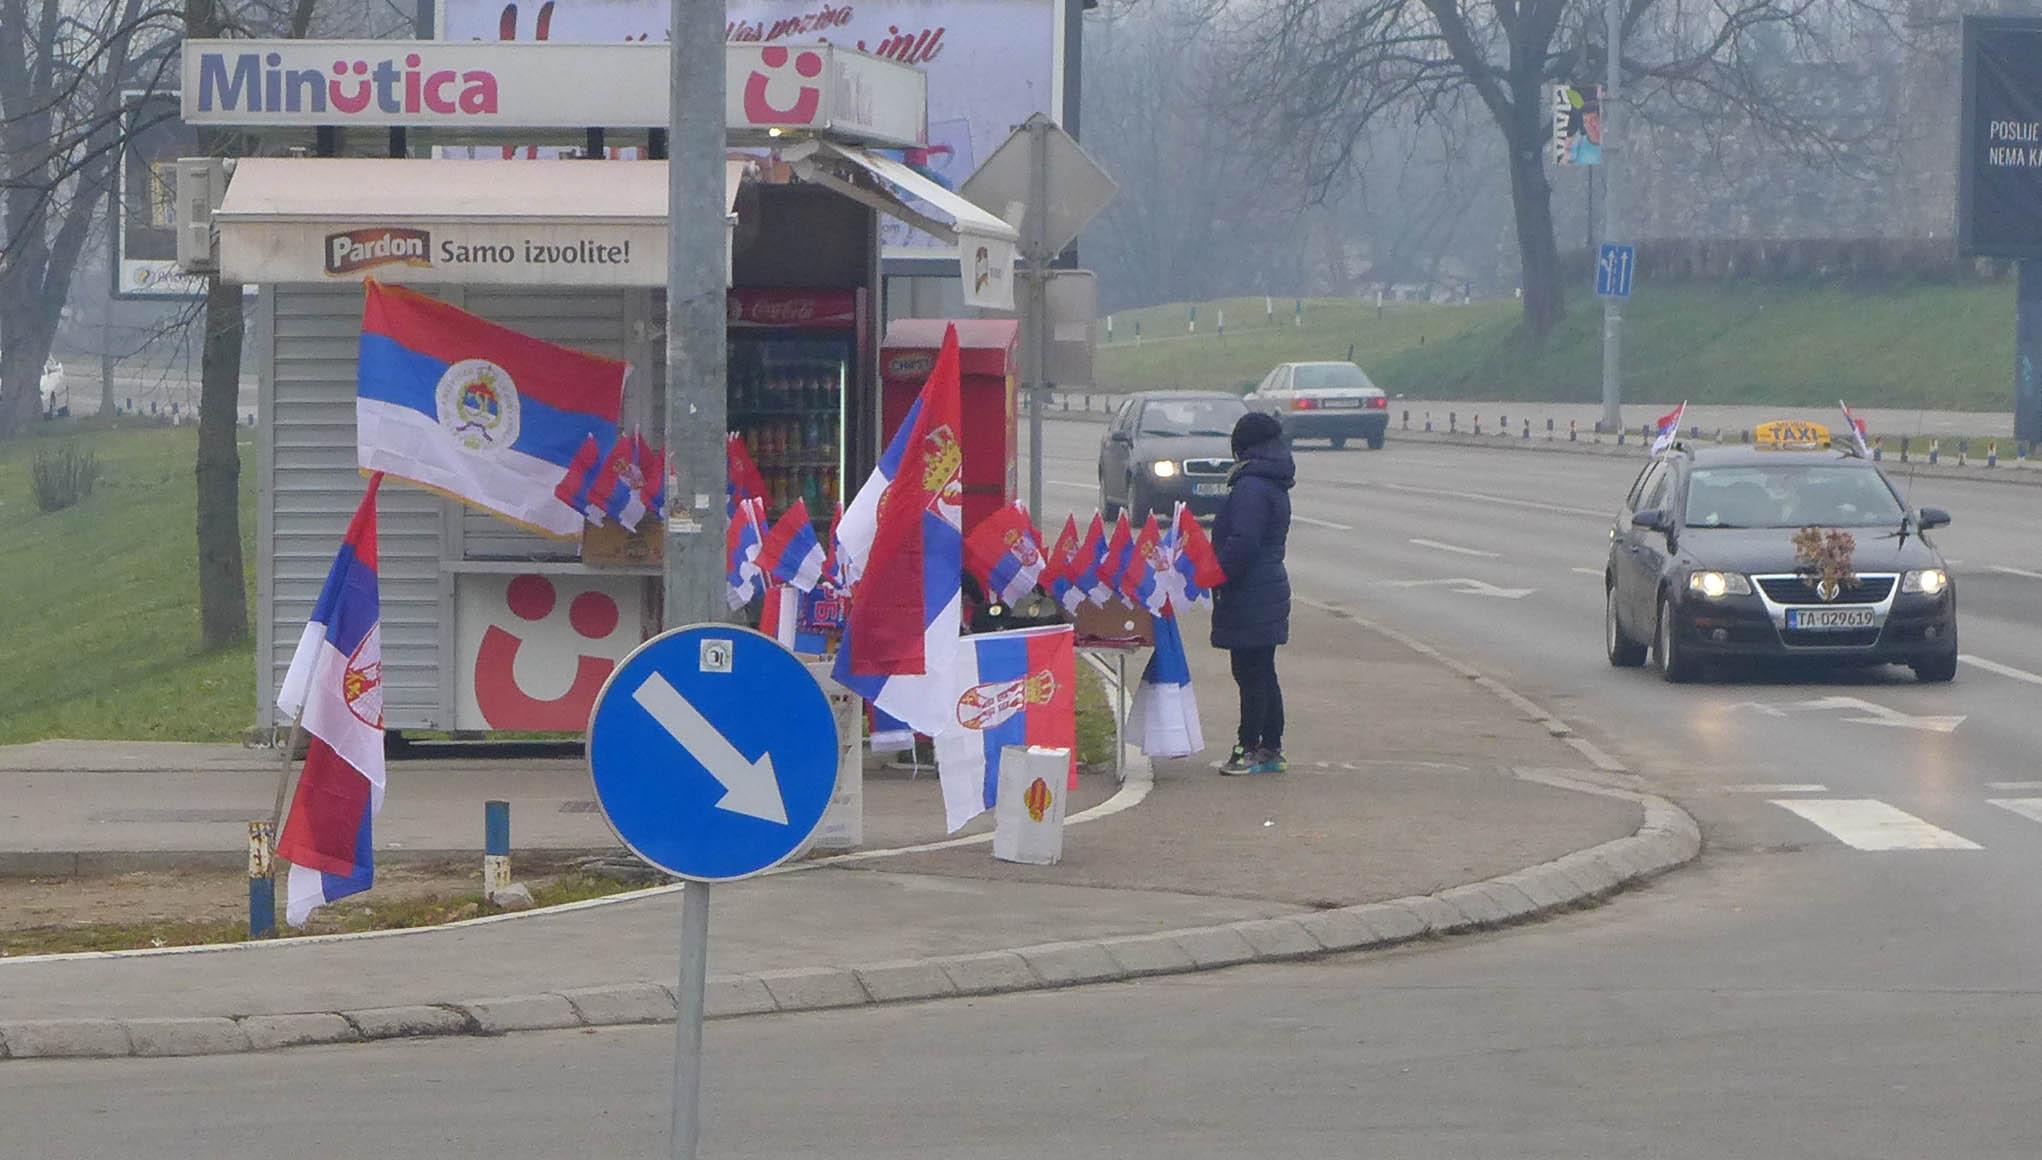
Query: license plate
[1829,618]
[1341,404]
[1208,489]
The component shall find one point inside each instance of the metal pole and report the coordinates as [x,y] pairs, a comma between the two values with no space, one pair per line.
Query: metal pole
[688,1009]
[695,312]
[1037,316]
[1612,227]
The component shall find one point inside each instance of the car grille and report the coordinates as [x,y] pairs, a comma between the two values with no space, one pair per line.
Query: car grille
[1208,466]
[1795,590]
[1844,638]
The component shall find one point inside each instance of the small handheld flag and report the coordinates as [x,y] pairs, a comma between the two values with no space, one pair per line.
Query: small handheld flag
[1857,430]
[1061,575]
[741,570]
[790,553]
[1668,428]
[1005,552]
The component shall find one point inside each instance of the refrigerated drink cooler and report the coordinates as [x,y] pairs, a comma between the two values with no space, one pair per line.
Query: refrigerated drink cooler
[793,392]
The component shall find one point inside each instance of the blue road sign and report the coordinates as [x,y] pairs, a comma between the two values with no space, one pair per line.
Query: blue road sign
[713,751]
[1613,270]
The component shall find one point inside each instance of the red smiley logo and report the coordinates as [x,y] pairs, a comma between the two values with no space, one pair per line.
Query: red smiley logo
[759,109]
[504,705]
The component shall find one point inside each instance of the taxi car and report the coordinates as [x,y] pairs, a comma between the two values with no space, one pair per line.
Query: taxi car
[1703,562]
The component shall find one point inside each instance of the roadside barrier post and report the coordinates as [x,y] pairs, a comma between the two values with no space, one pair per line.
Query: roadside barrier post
[1428,422]
[1903,448]
[1549,429]
[1573,432]
[1963,452]
[1478,422]
[262,882]
[1527,428]
[1407,418]
[496,868]
[1453,422]
[1992,453]
[1935,450]
[1878,449]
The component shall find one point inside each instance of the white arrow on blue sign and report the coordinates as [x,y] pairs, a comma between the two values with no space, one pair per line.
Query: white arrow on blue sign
[713,751]
[1613,267]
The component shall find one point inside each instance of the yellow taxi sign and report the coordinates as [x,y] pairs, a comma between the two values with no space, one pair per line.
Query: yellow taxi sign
[1790,435]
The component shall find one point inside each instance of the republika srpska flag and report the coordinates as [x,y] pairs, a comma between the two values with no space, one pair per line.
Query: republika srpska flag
[336,682]
[477,411]
[1010,688]
[903,546]
[1005,553]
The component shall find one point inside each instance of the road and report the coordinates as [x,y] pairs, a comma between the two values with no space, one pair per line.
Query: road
[1795,994]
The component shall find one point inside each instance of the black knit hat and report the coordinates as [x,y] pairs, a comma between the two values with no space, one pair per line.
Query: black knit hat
[1255,428]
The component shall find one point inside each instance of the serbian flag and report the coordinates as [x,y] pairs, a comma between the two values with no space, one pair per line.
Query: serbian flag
[1668,428]
[903,546]
[833,561]
[1164,716]
[784,618]
[1061,575]
[1857,429]
[1195,567]
[1090,562]
[744,481]
[652,471]
[336,682]
[1141,582]
[616,491]
[791,554]
[1113,564]
[1008,688]
[477,411]
[573,488]
[1005,551]
[742,578]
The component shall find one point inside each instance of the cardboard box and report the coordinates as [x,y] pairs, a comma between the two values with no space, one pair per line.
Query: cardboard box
[1115,625]
[610,546]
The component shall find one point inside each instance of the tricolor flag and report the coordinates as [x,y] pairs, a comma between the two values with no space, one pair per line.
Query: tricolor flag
[336,682]
[791,554]
[1668,428]
[652,470]
[573,488]
[1009,688]
[1195,567]
[1061,575]
[1857,429]
[743,481]
[1005,552]
[1113,564]
[477,411]
[741,557]
[616,493]
[903,546]
[1142,582]
[833,562]
[1089,562]
[781,618]
[1165,710]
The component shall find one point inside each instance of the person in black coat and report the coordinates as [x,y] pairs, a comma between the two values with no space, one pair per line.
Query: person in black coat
[1251,610]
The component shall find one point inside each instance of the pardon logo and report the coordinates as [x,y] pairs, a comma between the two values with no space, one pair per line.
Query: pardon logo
[357,250]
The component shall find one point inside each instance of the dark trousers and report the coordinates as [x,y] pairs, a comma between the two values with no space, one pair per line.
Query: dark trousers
[1261,698]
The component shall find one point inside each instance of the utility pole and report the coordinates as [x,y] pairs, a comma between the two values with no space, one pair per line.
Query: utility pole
[1035,313]
[1612,227]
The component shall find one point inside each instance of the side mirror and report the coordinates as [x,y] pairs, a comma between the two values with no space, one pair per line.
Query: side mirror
[1652,520]
[1931,517]
[1126,437]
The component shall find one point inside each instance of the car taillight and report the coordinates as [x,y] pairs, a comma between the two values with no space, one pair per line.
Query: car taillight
[1379,403]
[1304,404]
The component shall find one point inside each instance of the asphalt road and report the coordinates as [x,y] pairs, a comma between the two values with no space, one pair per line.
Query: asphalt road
[1795,994]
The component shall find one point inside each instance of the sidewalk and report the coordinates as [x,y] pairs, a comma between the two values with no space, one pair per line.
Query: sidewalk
[1408,783]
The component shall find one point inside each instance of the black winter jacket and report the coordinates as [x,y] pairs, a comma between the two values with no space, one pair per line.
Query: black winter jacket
[1252,609]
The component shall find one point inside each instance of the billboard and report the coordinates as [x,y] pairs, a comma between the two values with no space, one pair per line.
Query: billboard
[1577,124]
[145,200]
[1999,150]
[991,63]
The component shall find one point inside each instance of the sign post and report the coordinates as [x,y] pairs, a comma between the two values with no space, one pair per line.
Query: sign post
[1612,223]
[713,752]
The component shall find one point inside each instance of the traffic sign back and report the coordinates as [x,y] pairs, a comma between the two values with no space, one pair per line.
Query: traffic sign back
[713,752]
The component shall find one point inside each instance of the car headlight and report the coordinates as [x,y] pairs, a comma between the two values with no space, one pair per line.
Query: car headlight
[1163,468]
[1716,585]
[1927,581]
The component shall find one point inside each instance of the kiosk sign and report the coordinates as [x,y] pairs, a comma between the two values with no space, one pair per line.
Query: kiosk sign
[1999,194]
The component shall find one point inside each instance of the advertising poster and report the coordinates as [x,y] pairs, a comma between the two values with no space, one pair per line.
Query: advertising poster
[1999,197]
[145,245]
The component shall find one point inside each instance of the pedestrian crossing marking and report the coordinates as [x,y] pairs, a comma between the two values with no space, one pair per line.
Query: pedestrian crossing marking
[1869,824]
[2029,808]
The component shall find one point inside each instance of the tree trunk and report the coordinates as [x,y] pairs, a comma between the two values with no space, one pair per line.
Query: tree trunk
[1538,253]
[223,593]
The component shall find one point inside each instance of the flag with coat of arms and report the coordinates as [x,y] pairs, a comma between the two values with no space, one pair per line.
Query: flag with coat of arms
[1005,553]
[1015,688]
[1062,573]
[1668,428]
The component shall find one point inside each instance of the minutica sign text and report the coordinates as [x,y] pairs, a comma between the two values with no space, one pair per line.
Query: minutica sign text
[252,82]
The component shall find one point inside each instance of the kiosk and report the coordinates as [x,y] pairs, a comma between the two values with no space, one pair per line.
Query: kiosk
[487,627]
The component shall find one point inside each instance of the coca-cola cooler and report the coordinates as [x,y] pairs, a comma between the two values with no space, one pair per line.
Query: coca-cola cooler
[794,391]
[987,350]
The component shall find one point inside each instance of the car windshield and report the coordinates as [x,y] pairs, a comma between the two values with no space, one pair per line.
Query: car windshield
[1213,417]
[1329,377]
[1790,496]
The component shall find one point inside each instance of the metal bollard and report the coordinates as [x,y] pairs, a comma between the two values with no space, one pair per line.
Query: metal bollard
[1878,449]
[262,880]
[1620,436]
[496,870]
[1963,452]
[1478,422]
[1549,429]
[1428,422]
[1573,435]
[1992,453]
[1527,428]
[1935,450]
[1453,422]
[1904,441]
[1407,419]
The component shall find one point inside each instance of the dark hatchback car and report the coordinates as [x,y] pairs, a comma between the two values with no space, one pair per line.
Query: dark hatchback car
[1703,565]
[1165,446]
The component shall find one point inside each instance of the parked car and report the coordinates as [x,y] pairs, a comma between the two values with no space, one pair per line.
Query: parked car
[1165,446]
[1324,400]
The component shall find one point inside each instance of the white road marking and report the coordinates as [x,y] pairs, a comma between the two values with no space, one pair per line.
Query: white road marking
[1789,787]
[1454,548]
[1329,525]
[1870,714]
[1589,571]
[2029,808]
[1466,587]
[2021,572]
[2002,670]
[1868,824]
[2013,785]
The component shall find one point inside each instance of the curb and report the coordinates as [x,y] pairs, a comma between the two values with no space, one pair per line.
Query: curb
[1667,838]
[82,863]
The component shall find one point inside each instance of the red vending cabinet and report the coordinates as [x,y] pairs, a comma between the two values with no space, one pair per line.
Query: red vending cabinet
[988,358]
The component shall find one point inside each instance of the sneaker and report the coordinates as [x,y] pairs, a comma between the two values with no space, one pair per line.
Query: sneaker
[1237,762]
[1270,761]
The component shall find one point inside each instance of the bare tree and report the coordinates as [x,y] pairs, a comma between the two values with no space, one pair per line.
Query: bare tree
[1325,71]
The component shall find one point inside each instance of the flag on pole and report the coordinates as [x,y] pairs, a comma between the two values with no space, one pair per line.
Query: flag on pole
[336,682]
[1061,574]
[574,487]
[743,480]
[617,493]
[652,471]
[1010,688]
[833,562]
[791,554]
[1141,582]
[1165,709]
[781,618]
[1857,430]
[1113,565]
[1668,428]
[1195,567]
[1005,552]
[742,576]
[904,548]
[477,411]
[1090,562]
